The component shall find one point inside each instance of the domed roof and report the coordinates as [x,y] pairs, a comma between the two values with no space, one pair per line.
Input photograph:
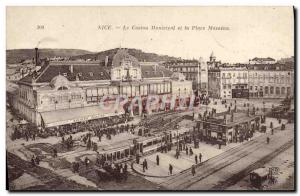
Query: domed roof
[121,55]
[59,81]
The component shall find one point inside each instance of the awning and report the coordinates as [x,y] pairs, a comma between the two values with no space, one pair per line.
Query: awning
[69,116]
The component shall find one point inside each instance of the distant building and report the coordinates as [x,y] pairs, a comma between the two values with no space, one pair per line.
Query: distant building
[214,83]
[13,75]
[262,61]
[193,70]
[290,60]
[228,82]
[271,81]
[213,63]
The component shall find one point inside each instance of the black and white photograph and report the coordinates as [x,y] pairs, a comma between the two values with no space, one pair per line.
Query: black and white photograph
[185,98]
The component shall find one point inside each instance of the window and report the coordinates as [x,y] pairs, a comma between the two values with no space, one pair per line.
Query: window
[288,90]
[277,91]
[282,90]
[266,90]
[256,88]
[251,87]
[271,90]
[224,86]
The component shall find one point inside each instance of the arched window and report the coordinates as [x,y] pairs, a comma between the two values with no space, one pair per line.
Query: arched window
[271,90]
[266,90]
[277,91]
[282,90]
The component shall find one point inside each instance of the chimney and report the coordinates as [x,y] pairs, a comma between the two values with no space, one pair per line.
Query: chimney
[36,56]
[71,68]
[106,61]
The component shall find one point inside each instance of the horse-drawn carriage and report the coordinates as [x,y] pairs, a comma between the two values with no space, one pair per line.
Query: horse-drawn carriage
[258,177]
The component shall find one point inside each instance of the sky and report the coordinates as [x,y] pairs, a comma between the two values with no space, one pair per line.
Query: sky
[249,31]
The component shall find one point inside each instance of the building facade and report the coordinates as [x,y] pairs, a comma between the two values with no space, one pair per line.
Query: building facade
[234,82]
[66,92]
[228,82]
[271,81]
[193,70]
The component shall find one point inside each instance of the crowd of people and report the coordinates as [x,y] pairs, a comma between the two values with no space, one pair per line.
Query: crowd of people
[29,131]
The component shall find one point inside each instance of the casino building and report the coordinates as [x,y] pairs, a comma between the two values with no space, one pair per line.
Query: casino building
[66,92]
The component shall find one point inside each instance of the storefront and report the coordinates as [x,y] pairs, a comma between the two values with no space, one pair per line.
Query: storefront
[72,116]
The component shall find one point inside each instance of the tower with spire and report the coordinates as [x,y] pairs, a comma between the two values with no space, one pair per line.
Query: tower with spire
[213,63]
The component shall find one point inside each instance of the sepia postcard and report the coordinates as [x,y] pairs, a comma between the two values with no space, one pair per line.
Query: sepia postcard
[150,98]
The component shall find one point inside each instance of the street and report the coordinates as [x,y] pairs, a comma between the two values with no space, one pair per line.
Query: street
[226,169]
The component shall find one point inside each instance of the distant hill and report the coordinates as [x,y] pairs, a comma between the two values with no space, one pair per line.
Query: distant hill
[18,55]
[139,54]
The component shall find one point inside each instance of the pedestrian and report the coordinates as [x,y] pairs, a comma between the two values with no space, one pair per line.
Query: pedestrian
[268,140]
[193,170]
[86,161]
[33,161]
[54,153]
[196,159]
[137,159]
[191,151]
[177,154]
[143,166]
[125,168]
[146,164]
[200,157]
[37,160]
[272,131]
[186,150]
[170,169]
[157,160]
[77,167]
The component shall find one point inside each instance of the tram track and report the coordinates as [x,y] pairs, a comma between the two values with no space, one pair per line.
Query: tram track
[241,174]
[186,181]
[210,167]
